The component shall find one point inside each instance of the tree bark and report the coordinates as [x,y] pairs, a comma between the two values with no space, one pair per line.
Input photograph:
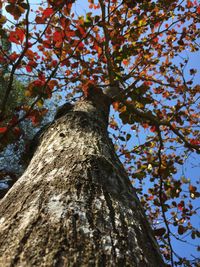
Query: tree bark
[74,205]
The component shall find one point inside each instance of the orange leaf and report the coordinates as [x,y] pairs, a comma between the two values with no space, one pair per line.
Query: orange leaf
[14,56]
[116,105]
[30,54]
[145,125]
[150,198]
[189,4]
[52,84]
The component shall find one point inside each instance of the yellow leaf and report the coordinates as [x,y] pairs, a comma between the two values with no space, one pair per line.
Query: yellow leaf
[149,167]
[2,19]
[142,22]
[27,93]
[40,103]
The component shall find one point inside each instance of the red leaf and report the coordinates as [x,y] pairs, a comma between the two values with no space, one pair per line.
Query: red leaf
[3,129]
[155,40]
[28,68]
[147,83]
[47,12]
[125,62]
[198,9]
[17,36]
[153,129]
[54,63]
[180,205]
[81,46]
[194,142]
[57,36]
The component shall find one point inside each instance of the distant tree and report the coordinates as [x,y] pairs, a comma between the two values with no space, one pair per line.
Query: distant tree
[12,158]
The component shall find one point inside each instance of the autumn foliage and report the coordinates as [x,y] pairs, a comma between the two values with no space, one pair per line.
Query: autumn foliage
[143,47]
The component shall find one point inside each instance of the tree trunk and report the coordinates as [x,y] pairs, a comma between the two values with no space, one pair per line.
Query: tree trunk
[74,205]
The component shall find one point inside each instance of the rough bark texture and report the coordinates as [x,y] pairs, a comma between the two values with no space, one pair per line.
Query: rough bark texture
[74,205]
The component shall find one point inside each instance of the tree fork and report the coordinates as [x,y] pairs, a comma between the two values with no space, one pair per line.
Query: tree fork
[74,205]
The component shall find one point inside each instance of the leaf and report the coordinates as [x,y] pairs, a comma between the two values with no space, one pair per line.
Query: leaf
[180,205]
[116,105]
[30,54]
[153,129]
[2,19]
[52,84]
[192,188]
[128,137]
[28,93]
[195,142]
[159,231]
[15,10]
[40,103]
[122,138]
[39,20]
[81,45]
[3,129]
[17,36]
[125,62]
[189,4]
[28,68]
[57,36]
[181,229]
[47,12]
[14,56]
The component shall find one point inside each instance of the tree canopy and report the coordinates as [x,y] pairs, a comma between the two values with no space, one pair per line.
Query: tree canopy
[142,48]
